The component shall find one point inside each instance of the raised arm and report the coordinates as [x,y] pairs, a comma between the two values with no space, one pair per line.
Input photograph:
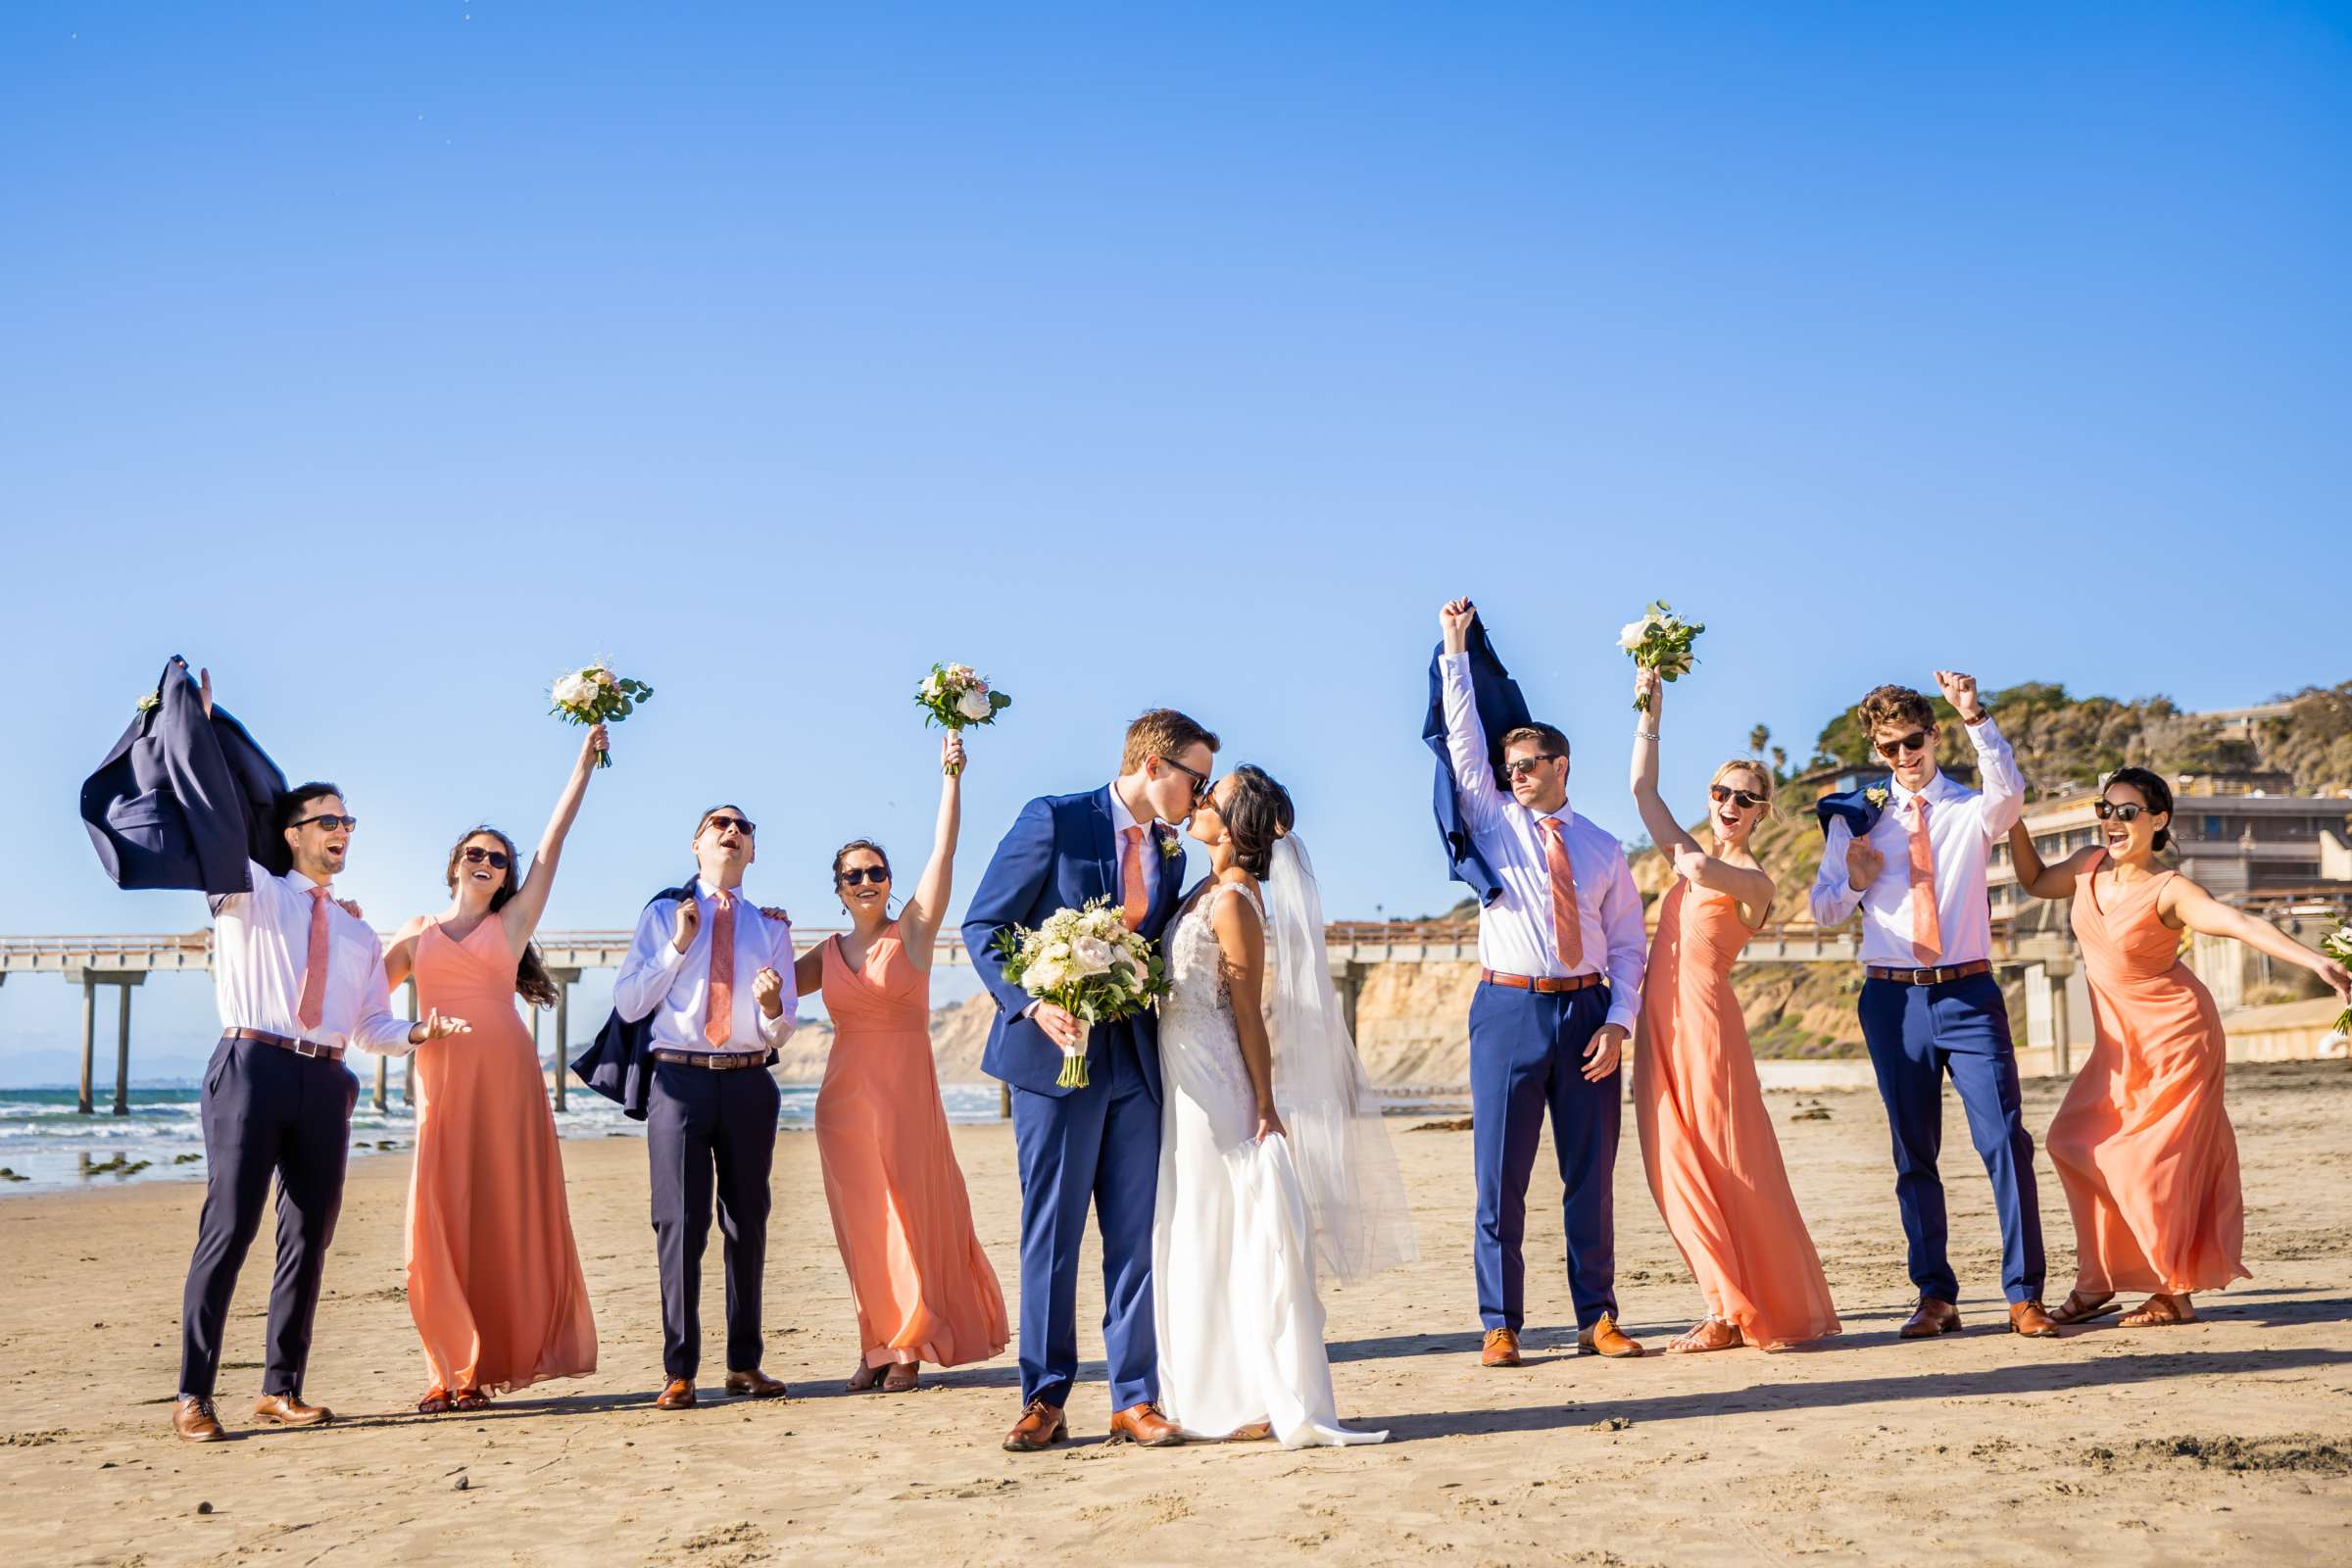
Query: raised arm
[2040,880]
[1241,950]
[919,921]
[520,915]
[2182,903]
[1664,831]
[1465,735]
[2004,787]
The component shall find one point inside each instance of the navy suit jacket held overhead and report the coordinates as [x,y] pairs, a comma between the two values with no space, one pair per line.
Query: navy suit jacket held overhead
[1060,854]
[1500,710]
[183,801]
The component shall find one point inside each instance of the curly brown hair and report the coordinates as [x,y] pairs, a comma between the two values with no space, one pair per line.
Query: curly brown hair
[1893,705]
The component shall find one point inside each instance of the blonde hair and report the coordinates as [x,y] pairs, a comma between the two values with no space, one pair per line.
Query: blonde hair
[1749,764]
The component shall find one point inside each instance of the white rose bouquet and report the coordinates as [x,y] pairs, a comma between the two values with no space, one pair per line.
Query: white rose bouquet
[1087,961]
[957,695]
[2337,944]
[595,694]
[1661,641]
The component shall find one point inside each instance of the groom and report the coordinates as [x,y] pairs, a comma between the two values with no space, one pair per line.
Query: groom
[1099,1143]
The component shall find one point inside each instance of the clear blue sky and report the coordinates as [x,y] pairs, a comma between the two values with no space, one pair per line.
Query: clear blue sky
[389,357]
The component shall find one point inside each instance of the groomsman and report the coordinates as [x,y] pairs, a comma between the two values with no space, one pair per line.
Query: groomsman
[710,1106]
[299,978]
[1911,856]
[1561,951]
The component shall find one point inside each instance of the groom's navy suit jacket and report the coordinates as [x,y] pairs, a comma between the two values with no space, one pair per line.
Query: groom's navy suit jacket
[1500,710]
[618,1063]
[1060,854]
[184,801]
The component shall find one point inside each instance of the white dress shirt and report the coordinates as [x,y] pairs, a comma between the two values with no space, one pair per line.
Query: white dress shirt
[1516,933]
[673,987]
[1121,819]
[261,949]
[1963,825]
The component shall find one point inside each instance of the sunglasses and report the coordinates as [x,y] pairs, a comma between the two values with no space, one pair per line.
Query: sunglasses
[723,822]
[1199,780]
[475,854]
[1521,766]
[1916,741]
[2124,812]
[876,874]
[329,821]
[1723,792]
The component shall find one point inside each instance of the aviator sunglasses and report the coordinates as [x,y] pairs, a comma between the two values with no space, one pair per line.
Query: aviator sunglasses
[723,822]
[475,854]
[1723,792]
[2120,812]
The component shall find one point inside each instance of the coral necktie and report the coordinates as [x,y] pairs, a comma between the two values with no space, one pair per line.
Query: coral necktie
[1927,924]
[1568,930]
[313,1005]
[718,1016]
[1135,905]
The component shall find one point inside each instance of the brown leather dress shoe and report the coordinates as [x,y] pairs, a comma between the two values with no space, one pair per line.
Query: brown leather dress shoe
[1605,1338]
[2032,1319]
[193,1421]
[755,1382]
[1041,1426]
[1501,1349]
[1931,1318]
[289,1410]
[1144,1426]
[676,1395]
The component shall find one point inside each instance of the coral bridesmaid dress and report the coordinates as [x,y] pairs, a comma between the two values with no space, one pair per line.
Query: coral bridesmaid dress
[924,1289]
[1707,1141]
[493,1278]
[2141,1140]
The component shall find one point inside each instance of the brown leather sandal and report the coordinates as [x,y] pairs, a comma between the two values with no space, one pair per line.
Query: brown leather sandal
[434,1402]
[469,1399]
[2159,1311]
[2081,1308]
[865,1378]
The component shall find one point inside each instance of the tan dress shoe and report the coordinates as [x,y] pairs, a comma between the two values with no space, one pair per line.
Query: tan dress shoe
[2032,1319]
[754,1383]
[1041,1426]
[1501,1349]
[1605,1338]
[193,1421]
[676,1395]
[1929,1318]
[289,1410]
[1144,1426]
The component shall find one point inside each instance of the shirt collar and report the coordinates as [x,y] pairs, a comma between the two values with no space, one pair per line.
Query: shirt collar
[1566,813]
[1122,819]
[1938,788]
[303,884]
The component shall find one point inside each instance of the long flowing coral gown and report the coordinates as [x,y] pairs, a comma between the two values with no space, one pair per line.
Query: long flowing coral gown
[494,1276]
[924,1289]
[1707,1141]
[2141,1140]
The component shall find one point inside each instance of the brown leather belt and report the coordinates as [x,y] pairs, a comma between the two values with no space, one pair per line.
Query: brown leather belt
[1927,977]
[1535,983]
[299,1047]
[716,1061]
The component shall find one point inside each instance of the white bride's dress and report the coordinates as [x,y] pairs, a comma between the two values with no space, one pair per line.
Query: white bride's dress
[1233,1257]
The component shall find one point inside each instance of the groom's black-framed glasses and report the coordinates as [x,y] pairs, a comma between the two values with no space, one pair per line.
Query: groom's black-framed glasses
[1519,768]
[1199,780]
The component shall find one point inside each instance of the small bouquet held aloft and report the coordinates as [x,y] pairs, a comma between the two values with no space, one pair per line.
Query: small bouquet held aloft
[1087,961]
[957,695]
[2337,944]
[1661,641]
[596,695]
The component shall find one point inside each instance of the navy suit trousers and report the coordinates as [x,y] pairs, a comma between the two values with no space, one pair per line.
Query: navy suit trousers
[710,1134]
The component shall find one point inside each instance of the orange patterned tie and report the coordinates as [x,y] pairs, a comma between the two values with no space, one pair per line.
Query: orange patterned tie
[313,1005]
[1927,924]
[718,1016]
[1568,930]
[1135,906]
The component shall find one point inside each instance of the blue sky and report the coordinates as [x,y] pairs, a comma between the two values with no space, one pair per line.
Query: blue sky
[390,358]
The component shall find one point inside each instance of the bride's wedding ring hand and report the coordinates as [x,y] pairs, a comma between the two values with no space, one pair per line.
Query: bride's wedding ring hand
[1602,1054]
[1269,1124]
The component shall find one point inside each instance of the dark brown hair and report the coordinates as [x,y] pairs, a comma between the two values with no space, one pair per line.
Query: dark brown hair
[2152,789]
[851,848]
[1882,705]
[1542,734]
[533,983]
[287,806]
[1256,813]
[1163,732]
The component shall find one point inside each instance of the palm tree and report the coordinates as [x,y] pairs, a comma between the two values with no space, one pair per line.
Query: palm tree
[1760,738]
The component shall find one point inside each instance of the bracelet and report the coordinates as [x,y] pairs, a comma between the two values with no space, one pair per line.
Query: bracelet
[1645,734]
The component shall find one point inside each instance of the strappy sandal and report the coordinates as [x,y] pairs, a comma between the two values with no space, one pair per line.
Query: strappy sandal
[901,1378]
[2081,1308]
[1707,1333]
[1254,1432]
[2159,1311]
[434,1402]
[469,1399]
[865,1378]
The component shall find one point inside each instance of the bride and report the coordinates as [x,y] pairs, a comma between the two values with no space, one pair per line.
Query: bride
[1271,1157]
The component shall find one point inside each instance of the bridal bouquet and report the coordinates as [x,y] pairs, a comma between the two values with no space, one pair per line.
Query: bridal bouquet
[1087,961]
[957,695]
[1661,641]
[2337,944]
[596,696]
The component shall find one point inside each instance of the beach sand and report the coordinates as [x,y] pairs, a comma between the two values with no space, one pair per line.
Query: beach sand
[2217,1442]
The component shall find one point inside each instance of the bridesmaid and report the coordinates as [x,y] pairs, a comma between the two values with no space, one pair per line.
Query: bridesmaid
[493,1278]
[1707,1141]
[924,1289]
[2142,1139]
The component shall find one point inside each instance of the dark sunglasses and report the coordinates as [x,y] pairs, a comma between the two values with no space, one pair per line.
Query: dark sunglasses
[1723,792]
[723,822]
[876,874]
[1199,780]
[475,854]
[329,822]
[1916,741]
[2120,812]
[1521,766]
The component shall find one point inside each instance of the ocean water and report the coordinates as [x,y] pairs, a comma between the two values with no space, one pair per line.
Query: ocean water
[45,1144]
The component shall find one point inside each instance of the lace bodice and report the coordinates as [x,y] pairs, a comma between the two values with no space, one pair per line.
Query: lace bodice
[1200,1054]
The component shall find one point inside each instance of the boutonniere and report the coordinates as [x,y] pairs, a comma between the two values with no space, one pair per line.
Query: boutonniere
[148,703]
[1877,796]
[1171,847]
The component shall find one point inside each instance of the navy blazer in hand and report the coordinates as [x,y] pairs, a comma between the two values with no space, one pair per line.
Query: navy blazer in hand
[184,801]
[1854,807]
[1059,855]
[619,1063]
[1500,710]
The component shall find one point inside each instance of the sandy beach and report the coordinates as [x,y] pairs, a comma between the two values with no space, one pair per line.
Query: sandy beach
[2228,1439]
